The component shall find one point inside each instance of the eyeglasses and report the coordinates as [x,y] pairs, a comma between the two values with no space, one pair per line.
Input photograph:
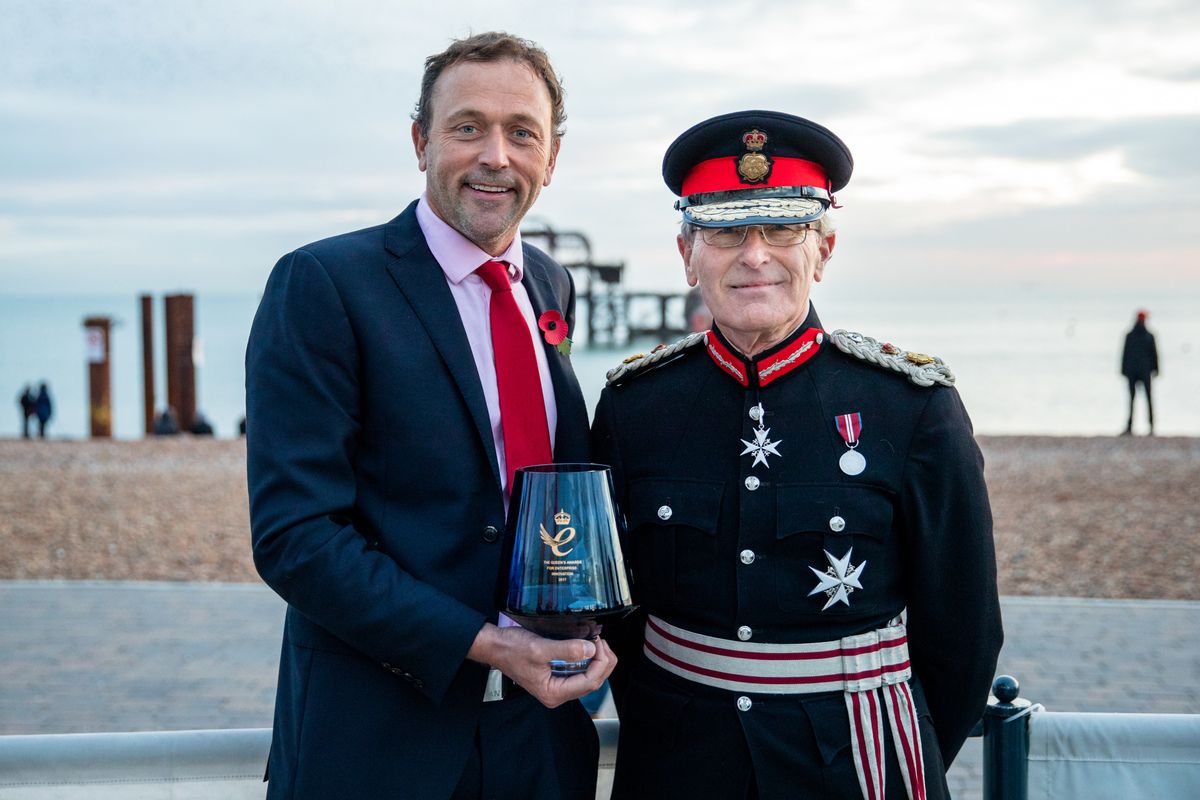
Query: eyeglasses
[774,235]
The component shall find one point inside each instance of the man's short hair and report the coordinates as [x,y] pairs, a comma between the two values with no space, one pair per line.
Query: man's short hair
[486,48]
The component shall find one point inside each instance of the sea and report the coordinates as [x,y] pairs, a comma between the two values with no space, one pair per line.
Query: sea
[1044,362]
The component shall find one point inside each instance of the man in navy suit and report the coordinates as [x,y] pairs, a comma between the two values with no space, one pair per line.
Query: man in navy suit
[378,477]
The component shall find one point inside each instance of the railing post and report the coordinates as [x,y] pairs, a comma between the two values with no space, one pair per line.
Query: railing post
[1006,743]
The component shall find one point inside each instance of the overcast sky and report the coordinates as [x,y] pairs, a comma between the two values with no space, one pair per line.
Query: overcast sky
[150,146]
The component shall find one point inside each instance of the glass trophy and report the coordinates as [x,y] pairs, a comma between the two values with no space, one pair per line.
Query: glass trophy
[562,569]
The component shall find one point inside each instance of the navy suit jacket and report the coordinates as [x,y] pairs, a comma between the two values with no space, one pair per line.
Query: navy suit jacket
[374,501]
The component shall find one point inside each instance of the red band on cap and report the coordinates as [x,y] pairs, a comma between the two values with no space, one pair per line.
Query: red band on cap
[720,175]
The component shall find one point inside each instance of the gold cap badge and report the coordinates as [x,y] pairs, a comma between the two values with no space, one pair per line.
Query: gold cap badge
[754,166]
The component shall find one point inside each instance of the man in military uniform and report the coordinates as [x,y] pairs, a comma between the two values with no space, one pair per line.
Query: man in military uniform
[807,517]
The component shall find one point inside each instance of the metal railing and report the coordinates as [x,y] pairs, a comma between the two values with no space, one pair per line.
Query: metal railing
[1028,754]
[224,764]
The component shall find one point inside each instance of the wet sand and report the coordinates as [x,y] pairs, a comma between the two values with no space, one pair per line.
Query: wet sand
[1074,516]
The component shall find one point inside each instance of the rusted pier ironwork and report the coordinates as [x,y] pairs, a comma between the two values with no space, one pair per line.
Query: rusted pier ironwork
[613,316]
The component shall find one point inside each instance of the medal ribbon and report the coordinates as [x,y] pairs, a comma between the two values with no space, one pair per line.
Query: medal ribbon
[849,426]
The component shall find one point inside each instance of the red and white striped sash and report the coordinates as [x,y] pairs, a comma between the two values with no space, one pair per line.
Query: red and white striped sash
[871,668]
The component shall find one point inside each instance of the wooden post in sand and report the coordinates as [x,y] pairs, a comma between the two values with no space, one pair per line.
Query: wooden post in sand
[181,372]
[148,362]
[96,347]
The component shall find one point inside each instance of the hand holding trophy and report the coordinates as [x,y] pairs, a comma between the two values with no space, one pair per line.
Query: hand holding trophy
[562,570]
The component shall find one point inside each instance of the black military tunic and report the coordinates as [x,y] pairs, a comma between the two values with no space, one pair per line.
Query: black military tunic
[727,470]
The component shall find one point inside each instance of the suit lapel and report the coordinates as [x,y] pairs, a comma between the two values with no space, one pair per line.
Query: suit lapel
[567,397]
[422,281]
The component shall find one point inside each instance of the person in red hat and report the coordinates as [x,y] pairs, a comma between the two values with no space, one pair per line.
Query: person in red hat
[808,524]
[1139,365]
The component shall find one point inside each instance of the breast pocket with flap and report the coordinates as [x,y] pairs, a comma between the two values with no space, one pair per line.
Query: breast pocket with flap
[673,530]
[844,533]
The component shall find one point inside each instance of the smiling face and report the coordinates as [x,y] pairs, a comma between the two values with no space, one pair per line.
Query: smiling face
[490,149]
[757,293]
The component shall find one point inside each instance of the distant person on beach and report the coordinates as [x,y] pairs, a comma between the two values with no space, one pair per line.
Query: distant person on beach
[1139,365]
[28,404]
[396,377]
[44,408]
[201,426]
[809,526]
[166,423]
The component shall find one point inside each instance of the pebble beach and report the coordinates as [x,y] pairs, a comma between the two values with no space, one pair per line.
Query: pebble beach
[1101,517]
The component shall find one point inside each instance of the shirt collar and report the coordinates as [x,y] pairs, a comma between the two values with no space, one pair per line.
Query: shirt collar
[458,255]
[769,365]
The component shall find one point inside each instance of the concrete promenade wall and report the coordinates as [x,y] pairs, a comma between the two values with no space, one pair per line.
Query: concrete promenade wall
[112,656]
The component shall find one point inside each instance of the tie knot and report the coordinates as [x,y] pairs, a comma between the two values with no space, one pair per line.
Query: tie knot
[495,275]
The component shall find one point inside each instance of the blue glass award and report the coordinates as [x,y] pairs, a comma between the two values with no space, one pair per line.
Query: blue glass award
[563,571]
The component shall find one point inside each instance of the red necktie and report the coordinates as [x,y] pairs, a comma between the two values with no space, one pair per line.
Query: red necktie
[522,407]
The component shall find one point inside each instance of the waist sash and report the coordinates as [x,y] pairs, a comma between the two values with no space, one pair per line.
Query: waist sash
[872,670]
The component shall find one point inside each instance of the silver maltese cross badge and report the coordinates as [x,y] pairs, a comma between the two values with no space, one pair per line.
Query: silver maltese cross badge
[762,446]
[839,580]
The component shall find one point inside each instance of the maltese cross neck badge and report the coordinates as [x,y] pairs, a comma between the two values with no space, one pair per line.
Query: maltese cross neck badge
[839,580]
[762,446]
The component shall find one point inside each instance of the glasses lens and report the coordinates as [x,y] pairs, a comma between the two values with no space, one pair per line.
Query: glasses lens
[724,237]
[784,235]
[775,235]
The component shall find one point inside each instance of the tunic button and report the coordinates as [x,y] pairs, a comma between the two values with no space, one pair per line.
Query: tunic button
[756,413]
[664,513]
[745,632]
[753,483]
[491,533]
[837,524]
[747,556]
[744,703]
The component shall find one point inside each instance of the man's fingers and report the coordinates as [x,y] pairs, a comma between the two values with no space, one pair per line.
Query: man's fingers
[581,649]
[568,650]
[561,690]
[597,672]
[603,662]
[553,691]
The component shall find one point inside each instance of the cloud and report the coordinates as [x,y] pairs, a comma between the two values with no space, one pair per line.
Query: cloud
[245,128]
[1157,147]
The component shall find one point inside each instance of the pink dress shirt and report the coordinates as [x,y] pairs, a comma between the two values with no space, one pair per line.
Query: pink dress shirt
[459,257]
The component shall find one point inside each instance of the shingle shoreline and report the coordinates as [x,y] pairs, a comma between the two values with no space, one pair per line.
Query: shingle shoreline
[1103,517]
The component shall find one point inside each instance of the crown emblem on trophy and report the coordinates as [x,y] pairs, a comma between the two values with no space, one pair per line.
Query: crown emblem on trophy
[562,518]
[754,139]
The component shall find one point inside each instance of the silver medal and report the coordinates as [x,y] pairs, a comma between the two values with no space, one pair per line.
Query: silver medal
[852,462]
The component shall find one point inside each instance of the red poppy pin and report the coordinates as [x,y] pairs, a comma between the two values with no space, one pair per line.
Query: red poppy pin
[554,329]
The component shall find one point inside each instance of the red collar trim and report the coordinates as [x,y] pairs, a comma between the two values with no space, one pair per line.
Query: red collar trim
[790,357]
[726,359]
[768,368]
